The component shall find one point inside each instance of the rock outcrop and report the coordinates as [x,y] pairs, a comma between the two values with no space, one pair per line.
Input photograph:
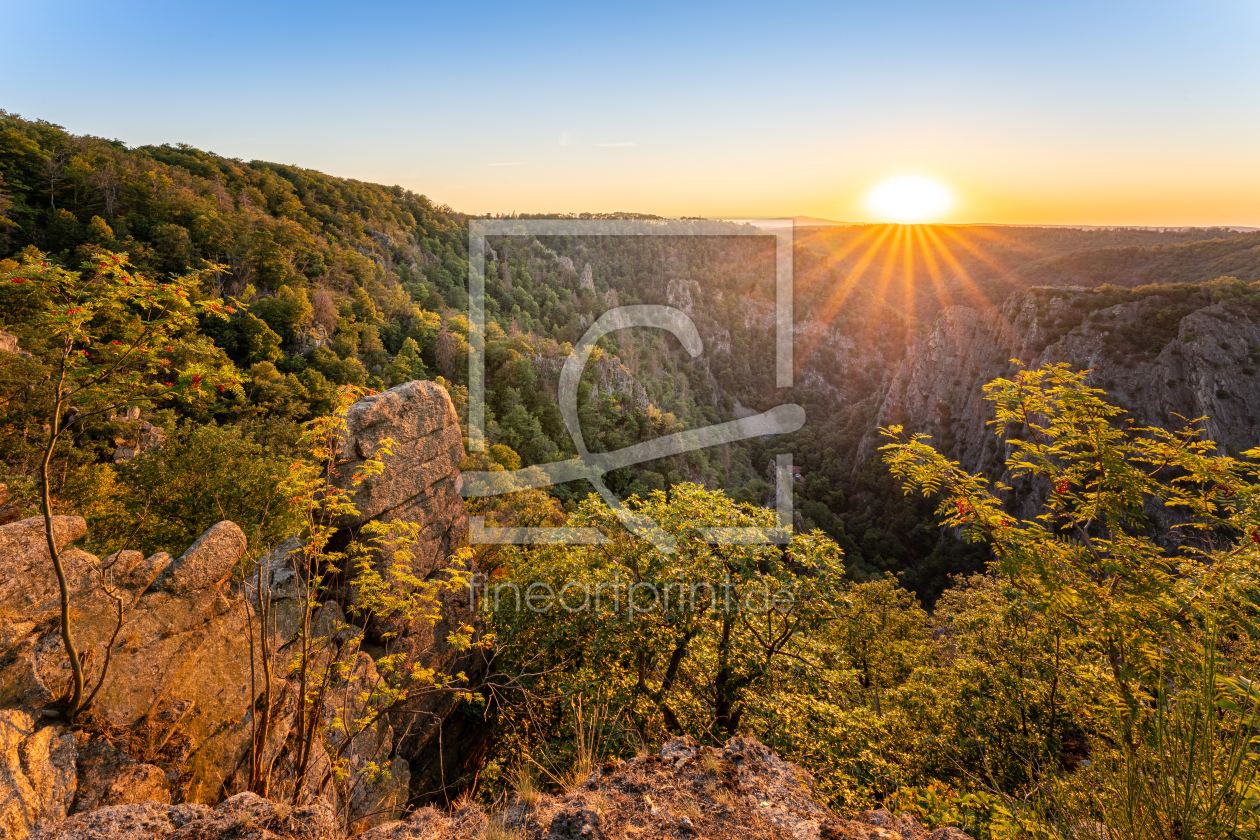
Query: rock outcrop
[141,821]
[174,716]
[741,791]
[420,481]
[140,436]
[37,774]
[108,776]
[180,665]
[1203,364]
[240,817]
[9,344]
[419,484]
[737,792]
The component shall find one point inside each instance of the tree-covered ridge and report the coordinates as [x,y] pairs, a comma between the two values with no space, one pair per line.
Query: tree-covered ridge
[1099,671]
[172,206]
[934,266]
[1187,262]
[341,282]
[328,282]
[341,270]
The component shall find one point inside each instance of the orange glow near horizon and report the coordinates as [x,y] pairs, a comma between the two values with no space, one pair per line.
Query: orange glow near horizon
[906,266]
[1003,188]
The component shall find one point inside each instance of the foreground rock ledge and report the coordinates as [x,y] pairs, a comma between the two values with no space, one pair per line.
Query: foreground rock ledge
[742,791]
[174,715]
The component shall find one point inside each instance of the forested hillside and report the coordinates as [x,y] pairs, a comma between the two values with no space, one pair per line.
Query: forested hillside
[182,337]
[341,282]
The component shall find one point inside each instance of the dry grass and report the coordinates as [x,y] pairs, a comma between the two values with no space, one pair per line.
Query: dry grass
[497,830]
[724,798]
[525,786]
[590,747]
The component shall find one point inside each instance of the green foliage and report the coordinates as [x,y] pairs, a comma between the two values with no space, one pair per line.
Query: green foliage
[1109,624]
[1099,672]
[107,338]
[165,498]
[407,364]
[1087,629]
[1091,560]
[668,642]
[342,695]
[287,313]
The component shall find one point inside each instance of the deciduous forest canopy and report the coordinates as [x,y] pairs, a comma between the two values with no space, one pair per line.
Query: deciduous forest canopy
[1040,617]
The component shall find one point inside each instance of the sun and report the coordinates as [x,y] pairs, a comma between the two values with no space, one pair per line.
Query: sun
[910,198]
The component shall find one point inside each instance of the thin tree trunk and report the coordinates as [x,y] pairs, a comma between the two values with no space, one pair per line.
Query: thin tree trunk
[109,649]
[76,667]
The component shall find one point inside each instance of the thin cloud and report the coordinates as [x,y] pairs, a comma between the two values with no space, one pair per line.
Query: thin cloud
[612,145]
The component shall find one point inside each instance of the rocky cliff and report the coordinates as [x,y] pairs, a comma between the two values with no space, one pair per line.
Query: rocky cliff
[420,484]
[1164,354]
[173,717]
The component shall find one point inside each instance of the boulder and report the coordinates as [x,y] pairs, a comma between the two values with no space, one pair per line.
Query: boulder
[140,821]
[37,774]
[208,562]
[180,667]
[28,585]
[140,435]
[108,776]
[419,482]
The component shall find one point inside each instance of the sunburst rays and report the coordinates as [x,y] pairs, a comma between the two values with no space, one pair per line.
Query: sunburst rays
[912,269]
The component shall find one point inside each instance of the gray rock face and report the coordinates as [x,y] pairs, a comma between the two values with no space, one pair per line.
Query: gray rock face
[1208,368]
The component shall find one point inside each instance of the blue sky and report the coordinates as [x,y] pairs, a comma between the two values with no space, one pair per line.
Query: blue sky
[1099,113]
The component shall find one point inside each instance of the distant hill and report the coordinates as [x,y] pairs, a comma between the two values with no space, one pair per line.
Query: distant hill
[349,282]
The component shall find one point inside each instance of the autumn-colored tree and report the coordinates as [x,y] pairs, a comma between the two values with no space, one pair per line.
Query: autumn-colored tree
[1093,558]
[108,337]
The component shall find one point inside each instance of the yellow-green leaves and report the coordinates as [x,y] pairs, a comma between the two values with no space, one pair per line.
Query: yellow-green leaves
[1094,561]
[114,336]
